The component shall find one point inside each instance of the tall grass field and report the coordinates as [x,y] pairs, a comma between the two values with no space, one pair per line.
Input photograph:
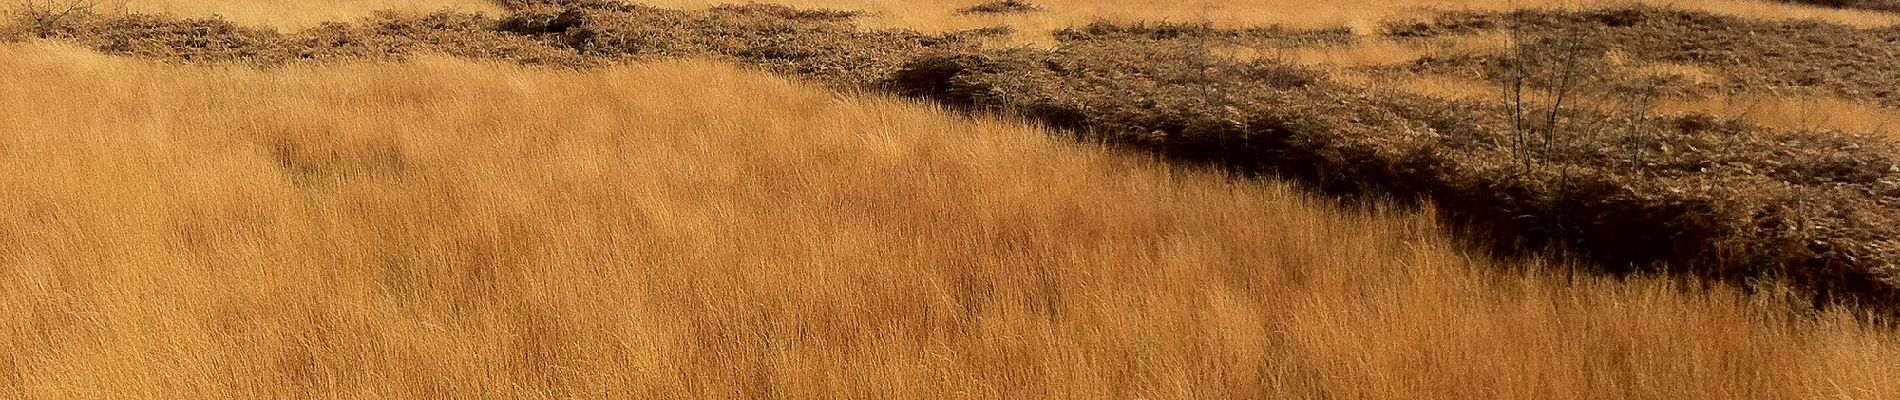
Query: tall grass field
[444,228]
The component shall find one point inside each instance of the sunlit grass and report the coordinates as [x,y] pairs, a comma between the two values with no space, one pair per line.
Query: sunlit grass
[1794,112]
[446,229]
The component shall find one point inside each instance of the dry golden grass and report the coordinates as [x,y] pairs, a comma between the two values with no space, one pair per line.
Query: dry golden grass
[1373,52]
[292,14]
[1795,112]
[446,229]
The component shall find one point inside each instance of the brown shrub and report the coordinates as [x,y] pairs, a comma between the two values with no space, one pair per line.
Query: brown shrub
[822,44]
[1877,5]
[1001,7]
[383,36]
[1205,33]
[187,40]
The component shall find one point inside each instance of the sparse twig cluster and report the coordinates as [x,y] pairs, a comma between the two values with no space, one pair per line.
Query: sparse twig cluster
[1561,67]
[45,16]
[1545,133]
[1533,146]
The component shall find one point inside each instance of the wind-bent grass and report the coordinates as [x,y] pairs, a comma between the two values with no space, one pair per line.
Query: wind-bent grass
[446,229]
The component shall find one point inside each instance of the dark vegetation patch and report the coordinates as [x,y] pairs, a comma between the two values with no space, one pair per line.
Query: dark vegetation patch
[1688,194]
[1876,5]
[386,36]
[819,43]
[1203,34]
[825,45]
[1791,57]
[1002,7]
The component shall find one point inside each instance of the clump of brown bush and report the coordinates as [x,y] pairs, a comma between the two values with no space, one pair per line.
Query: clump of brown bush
[1001,7]
[1877,5]
[1207,34]
[822,44]
[387,36]
[186,40]
[43,17]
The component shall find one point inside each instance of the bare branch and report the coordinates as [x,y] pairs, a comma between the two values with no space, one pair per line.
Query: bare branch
[47,15]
